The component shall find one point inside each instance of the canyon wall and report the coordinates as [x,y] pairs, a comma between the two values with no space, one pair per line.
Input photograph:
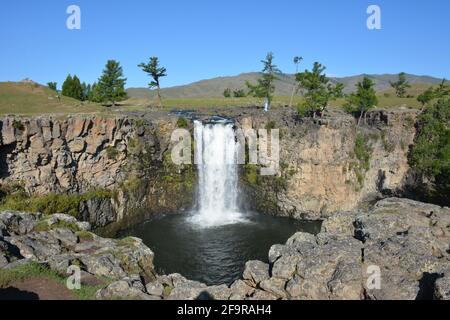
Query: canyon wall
[322,167]
[326,165]
[77,155]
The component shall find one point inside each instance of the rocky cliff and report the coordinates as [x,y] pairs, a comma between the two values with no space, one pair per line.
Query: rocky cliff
[326,165]
[75,155]
[331,164]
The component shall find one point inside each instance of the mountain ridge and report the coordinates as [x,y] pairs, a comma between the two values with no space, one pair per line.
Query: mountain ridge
[214,87]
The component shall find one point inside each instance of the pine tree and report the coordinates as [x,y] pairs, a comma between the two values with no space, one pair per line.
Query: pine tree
[318,90]
[77,89]
[111,85]
[156,72]
[52,86]
[67,86]
[265,87]
[401,85]
[364,99]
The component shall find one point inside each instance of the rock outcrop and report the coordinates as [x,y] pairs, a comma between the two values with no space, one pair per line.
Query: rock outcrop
[399,249]
[77,154]
[319,171]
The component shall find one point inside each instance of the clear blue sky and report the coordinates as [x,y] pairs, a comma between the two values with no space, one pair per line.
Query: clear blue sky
[203,39]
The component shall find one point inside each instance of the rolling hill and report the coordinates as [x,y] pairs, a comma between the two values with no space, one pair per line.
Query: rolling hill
[213,88]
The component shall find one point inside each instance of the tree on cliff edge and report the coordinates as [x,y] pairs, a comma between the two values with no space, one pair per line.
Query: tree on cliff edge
[111,85]
[363,100]
[156,72]
[264,88]
[317,89]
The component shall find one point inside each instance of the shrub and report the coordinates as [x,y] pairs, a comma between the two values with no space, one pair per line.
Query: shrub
[430,153]
[18,125]
[112,153]
[182,123]
[362,152]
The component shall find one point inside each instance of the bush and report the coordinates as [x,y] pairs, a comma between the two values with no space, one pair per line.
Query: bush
[430,153]
[18,125]
[112,153]
[52,202]
[362,152]
[182,123]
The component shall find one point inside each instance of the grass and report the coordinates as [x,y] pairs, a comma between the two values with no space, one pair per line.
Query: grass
[50,203]
[35,270]
[387,99]
[25,98]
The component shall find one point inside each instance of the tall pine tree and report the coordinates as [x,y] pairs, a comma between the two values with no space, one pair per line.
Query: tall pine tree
[111,85]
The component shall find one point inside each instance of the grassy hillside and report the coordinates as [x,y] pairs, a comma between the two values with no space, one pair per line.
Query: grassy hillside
[29,98]
[386,99]
[213,88]
[32,98]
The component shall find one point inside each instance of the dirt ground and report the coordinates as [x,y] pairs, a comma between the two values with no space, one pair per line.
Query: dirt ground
[36,289]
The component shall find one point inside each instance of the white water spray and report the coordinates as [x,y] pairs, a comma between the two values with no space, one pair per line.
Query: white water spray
[215,156]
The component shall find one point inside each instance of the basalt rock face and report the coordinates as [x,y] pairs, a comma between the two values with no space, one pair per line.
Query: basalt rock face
[320,172]
[74,155]
[50,155]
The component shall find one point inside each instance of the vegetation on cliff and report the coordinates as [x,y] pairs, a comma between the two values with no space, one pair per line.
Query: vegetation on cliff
[430,154]
[15,198]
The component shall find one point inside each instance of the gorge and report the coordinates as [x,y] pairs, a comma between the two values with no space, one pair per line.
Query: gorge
[115,173]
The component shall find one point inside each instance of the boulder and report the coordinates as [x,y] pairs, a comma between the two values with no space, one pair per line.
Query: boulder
[122,290]
[256,271]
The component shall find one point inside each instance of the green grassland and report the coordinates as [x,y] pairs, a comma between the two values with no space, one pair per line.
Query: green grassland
[28,98]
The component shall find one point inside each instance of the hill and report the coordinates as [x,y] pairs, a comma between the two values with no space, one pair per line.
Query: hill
[213,88]
[28,97]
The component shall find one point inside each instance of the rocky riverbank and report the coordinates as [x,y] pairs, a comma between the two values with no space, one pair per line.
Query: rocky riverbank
[406,241]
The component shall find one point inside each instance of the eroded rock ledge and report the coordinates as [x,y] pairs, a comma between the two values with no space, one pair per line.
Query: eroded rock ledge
[407,240]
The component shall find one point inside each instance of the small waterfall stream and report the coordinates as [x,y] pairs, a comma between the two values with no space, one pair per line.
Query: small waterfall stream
[215,155]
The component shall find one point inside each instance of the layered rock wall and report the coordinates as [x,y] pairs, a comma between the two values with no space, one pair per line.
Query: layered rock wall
[320,172]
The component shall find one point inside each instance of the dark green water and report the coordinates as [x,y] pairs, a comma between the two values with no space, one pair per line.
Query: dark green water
[214,255]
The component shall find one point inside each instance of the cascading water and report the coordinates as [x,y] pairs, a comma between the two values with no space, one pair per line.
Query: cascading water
[215,156]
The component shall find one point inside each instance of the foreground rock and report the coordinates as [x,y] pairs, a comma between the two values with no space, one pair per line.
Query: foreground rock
[397,250]
[60,241]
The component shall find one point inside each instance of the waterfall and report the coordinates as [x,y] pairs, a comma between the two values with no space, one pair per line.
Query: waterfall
[217,193]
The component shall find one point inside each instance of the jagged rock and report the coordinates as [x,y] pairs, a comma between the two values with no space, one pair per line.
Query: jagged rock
[155,288]
[331,262]
[99,212]
[442,287]
[256,271]
[188,290]
[240,290]
[122,290]
[301,238]
[278,250]
[77,145]
[57,218]
[262,295]
[274,286]
[340,223]
[407,241]
[285,266]
[17,223]
[220,292]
